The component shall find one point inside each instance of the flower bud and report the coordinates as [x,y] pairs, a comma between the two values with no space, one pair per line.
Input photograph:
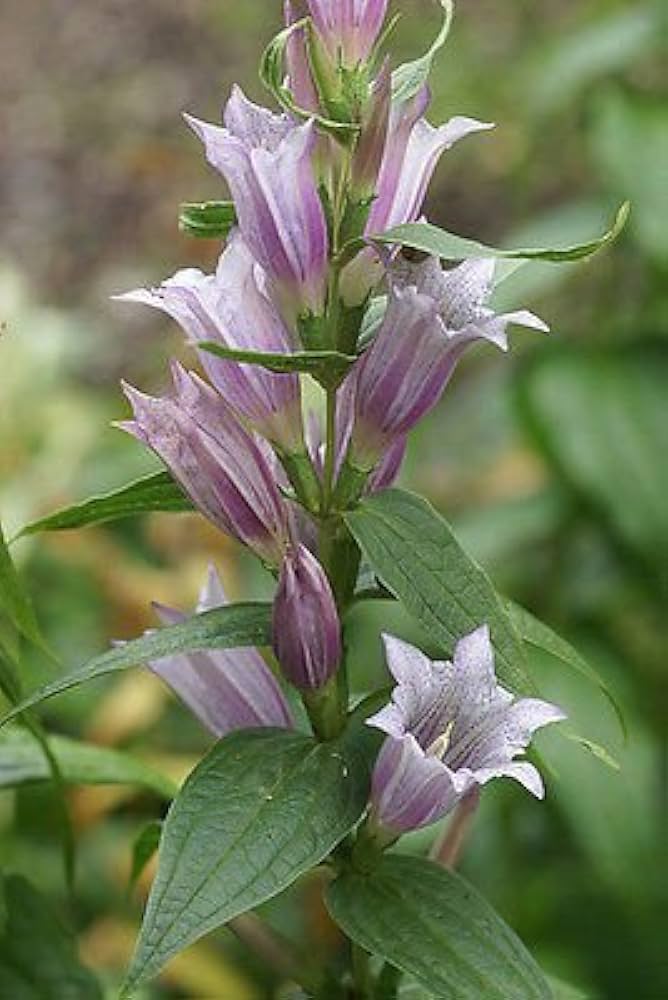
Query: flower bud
[306,628]
[349,29]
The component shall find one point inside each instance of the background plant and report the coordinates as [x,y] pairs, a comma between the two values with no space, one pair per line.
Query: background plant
[537,514]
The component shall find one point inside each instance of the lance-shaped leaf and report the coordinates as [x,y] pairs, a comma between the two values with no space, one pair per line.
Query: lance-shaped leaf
[417,557]
[272,74]
[151,494]
[432,924]
[327,367]
[208,220]
[224,628]
[22,762]
[408,79]
[261,809]
[38,959]
[144,847]
[535,633]
[439,243]
[15,601]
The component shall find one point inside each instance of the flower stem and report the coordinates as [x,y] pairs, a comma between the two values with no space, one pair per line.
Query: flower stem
[361,972]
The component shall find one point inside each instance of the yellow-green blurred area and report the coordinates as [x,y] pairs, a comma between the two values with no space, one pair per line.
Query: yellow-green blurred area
[552,463]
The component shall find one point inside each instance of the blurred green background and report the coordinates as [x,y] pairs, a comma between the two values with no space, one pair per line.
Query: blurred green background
[552,464]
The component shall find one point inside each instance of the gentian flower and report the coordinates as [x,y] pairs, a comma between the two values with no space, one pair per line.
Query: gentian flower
[300,78]
[222,467]
[450,727]
[348,28]
[412,150]
[227,689]
[267,161]
[232,308]
[433,316]
[306,629]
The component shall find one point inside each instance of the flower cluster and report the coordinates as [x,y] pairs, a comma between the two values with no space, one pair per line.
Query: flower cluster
[300,273]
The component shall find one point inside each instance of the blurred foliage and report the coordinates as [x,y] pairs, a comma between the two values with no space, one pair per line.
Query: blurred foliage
[552,464]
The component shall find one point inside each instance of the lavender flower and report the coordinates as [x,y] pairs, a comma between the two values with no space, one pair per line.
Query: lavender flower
[433,316]
[450,727]
[348,28]
[413,148]
[267,162]
[307,632]
[232,308]
[226,689]
[219,464]
[300,79]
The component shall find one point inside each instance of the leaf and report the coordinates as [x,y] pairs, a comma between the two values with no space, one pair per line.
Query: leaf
[208,220]
[15,601]
[565,991]
[408,79]
[432,924]
[417,557]
[22,762]
[326,366]
[143,849]
[430,239]
[272,74]
[596,749]
[610,441]
[38,958]
[223,628]
[262,808]
[539,635]
[153,493]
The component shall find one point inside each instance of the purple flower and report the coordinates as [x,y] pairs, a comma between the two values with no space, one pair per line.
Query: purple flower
[307,631]
[348,28]
[450,727]
[300,79]
[226,689]
[433,316]
[221,466]
[412,150]
[267,162]
[232,308]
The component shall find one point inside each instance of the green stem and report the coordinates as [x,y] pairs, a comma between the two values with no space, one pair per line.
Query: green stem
[361,972]
[330,453]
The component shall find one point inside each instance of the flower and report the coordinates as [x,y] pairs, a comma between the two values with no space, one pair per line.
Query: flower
[433,316]
[450,727]
[221,466]
[226,689]
[306,629]
[413,148]
[232,308]
[300,79]
[348,28]
[267,162]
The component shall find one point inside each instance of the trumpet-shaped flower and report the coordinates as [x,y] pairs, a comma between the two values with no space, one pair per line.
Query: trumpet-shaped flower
[307,631]
[232,308]
[221,466]
[227,689]
[450,727]
[413,148]
[267,162]
[348,28]
[433,316]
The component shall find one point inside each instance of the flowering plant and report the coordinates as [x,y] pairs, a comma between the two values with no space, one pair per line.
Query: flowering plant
[330,275]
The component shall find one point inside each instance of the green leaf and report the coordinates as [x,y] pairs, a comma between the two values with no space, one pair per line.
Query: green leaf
[272,74]
[208,220]
[153,493]
[38,959]
[408,79]
[15,601]
[223,628]
[610,441]
[595,749]
[262,808]
[430,239]
[143,849]
[539,635]
[326,367]
[432,924]
[22,762]
[565,991]
[417,557]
